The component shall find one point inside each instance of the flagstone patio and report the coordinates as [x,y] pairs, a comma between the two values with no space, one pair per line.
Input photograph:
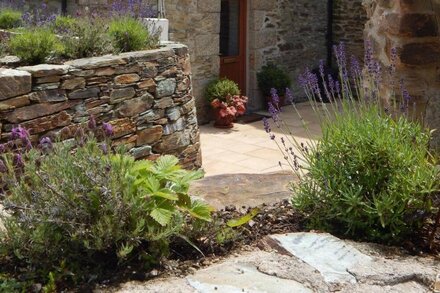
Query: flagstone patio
[247,148]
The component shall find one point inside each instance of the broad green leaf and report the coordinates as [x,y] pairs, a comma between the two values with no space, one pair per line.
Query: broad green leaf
[200,210]
[162,216]
[243,220]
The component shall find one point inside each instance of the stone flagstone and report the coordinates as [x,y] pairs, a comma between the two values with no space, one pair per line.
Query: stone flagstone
[331,256]
[241,277]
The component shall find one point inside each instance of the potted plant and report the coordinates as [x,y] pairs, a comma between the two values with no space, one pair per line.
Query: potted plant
[226,101]
[272,77]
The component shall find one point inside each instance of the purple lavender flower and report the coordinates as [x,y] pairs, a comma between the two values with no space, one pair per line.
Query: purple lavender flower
[108,129]
[289,96]
[272,136]
[22,134]
[273,112]
[337,87]
[92,123]
[104,148]
[18,161]
[331,84]
[355,67]
[275,97]
[46,144]
[266,125]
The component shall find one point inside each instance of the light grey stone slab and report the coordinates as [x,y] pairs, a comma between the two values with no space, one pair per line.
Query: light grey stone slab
[241,277]
[331,256]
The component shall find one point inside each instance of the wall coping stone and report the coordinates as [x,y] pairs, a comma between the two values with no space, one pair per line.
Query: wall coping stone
[42,70]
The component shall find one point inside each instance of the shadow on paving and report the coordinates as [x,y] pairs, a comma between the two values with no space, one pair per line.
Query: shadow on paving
[240,190]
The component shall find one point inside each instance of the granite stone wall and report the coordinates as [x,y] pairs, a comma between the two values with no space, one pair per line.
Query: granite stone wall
[412,28]
[146,96]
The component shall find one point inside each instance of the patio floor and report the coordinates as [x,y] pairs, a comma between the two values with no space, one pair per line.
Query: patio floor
[247,148]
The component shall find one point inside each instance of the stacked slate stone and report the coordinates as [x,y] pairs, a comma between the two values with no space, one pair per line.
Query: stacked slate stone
[146,97]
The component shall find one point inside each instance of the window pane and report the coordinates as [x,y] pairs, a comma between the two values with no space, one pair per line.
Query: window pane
[230,28]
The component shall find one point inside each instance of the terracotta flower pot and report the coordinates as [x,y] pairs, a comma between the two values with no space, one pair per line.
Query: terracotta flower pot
[223,121]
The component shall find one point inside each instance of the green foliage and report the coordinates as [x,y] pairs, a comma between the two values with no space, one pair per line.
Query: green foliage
[85,37]
[272,76]
[370,176]
[129,34]
[34,46]
[76,209]
[219,89]
[64,23]
[9,18]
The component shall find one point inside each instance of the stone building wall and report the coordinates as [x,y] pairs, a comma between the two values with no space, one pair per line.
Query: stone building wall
[196,23]
[291,34]
[348,25]
[412,28]
[145,95]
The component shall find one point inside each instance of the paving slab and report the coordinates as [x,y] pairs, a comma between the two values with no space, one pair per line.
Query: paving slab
[331,256]
[243,189]
[241,277]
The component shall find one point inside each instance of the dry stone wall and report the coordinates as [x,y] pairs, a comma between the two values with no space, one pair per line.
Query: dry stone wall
[146,97]
[412,28]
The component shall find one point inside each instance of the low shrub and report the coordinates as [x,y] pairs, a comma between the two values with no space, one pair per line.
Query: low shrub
[129,34]
[369,176]
[63,24]
[271,76]
[220,89]
[34,46]
[76,209]
[9,18]
[86,38]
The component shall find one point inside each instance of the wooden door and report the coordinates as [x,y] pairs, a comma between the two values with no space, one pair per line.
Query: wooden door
[233,41]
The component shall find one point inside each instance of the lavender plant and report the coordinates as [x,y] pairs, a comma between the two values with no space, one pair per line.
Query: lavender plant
[76,207]
[132,8]
[371,175]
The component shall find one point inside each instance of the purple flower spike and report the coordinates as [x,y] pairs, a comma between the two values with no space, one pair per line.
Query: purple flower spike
[108,129]
[104,148]
[18,161]
[46,143]
[92,123]
[266,125]
[275,97]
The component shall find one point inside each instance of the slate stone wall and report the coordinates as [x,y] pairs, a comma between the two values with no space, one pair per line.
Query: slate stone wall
[146,97]
[412,28]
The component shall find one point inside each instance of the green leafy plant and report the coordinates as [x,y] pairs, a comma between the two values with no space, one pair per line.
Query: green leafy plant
[34,46]
[85,37]
[273,77]
[75,207]
[10,18]
[129,34]
[220,89]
